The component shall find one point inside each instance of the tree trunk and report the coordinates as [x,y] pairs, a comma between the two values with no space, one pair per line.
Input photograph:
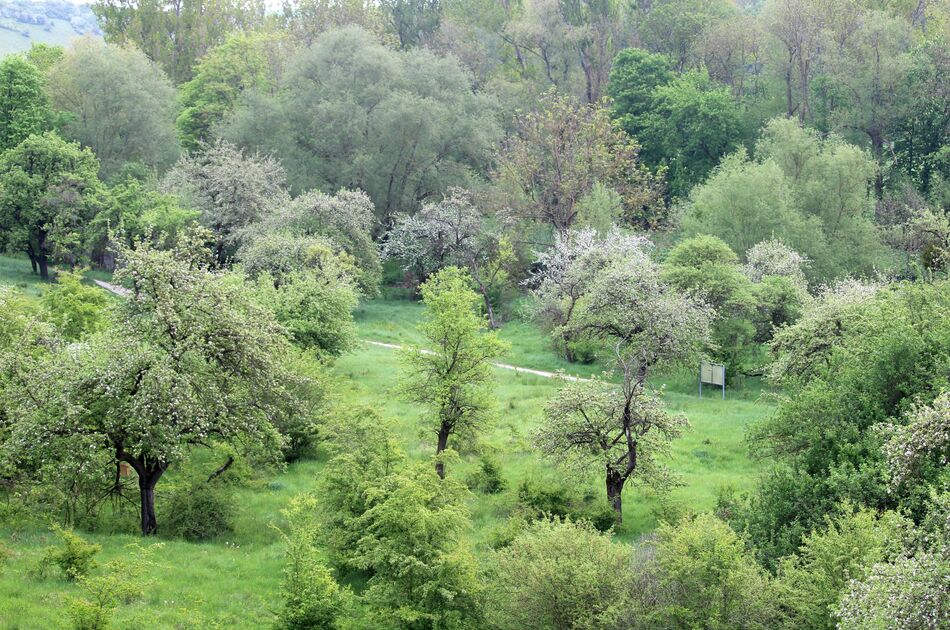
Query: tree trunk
[29,252]
[148,479]
[44,266]
[614,491]
[489,311]
[442,444]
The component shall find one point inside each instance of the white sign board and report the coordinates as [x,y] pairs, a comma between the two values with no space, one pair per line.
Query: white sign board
[712,374]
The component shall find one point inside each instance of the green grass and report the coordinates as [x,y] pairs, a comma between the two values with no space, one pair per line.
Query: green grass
[15,272]
[234,581]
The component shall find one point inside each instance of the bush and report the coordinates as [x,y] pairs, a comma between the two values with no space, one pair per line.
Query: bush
[312,598]
[559,574]
[551,499]
[123,582]
[487,478]
[199,511]
[73,556]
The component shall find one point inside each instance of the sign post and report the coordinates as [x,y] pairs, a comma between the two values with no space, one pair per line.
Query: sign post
[712,374]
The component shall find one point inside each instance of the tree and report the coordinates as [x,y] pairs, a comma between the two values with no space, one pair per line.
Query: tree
[74,308]
[245,61]
[306,20]
[454,379]
[623,429]
[24,104]
[559,574]
[910,592]
[845,549]
[344,220]
[176,34]
[565,273]
[453,232]
[191,360]
[922,443]
[859,357]
[401,126]
[315,305]
[423,573]
[706,267]
[634,77]
[561,150]
[117,103]
[413,21]
[673,27]
[692,123]
[49,191]
[230,188]
[797,28]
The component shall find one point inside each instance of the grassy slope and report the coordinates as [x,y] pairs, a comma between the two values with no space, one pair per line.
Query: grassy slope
[235,580]
[60,35]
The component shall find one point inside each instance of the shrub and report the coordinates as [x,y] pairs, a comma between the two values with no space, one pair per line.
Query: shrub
[123,582]
[542,499]
[199,510]
[487,478]
[312,598]
[559,574]
[73,556]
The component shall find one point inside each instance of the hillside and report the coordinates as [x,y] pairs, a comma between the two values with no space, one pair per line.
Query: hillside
[27,22]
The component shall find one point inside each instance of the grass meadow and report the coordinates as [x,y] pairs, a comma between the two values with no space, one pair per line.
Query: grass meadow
[233,581]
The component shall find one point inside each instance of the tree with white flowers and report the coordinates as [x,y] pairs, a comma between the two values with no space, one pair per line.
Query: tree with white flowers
[624,429]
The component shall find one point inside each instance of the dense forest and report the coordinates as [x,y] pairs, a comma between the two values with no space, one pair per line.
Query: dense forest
[388,314]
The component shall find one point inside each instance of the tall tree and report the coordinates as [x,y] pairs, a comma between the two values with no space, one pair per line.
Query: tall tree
[623,430]
[49,192]
[402,126]
[243,62]
[231,189]
[117,103]
[176,33]
[24,105]
[561,150]
[413,21]
[453,380]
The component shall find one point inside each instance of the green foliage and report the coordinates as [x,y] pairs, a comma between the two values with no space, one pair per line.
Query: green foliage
[350,129]
[413,542]
[48,194]
[634,76]
[344,222]
[116,102]
[75,308]
[244,61]
[811,582]
[454,382]
[199,510]
[700,576]
[315,305]
[312,598]
[559,574]
[812,194]
[135,212]
[175,37]
[488,478]
[125,580]
[857,359]
[73,556]
[692,123]
[24,105]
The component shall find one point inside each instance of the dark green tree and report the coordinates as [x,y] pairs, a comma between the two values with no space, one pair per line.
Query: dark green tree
[24,105]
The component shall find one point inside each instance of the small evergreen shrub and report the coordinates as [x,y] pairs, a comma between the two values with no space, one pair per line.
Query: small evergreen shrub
[73,556]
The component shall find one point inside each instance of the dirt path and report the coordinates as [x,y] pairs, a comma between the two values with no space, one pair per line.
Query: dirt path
[503,366]
[123,292]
